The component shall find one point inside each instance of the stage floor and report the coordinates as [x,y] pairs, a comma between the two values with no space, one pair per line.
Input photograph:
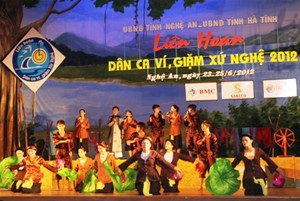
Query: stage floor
[275,194]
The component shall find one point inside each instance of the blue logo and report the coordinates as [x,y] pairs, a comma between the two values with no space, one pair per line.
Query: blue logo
[33,59]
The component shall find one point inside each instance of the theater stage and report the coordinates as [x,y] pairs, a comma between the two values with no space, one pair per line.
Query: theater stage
[188,186]
[275,194]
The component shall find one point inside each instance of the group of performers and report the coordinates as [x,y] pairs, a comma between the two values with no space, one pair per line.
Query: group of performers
[145,151]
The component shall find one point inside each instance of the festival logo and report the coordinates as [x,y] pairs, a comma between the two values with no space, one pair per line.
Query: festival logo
[33,60]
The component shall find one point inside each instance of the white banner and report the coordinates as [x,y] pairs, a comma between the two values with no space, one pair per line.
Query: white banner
[201,91]
[237,90]
[280,88]
[33,59]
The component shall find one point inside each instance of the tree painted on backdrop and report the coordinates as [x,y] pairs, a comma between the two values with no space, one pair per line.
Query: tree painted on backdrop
[11,99]
[156,8]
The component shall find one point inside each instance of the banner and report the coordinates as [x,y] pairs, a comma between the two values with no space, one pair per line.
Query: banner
[201,91]
[280,88]
[237,90]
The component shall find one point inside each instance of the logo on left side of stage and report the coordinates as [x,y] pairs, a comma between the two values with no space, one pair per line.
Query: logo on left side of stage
[33,59]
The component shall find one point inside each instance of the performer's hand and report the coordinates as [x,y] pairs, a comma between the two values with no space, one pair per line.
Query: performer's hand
[70,154]
[179,172]
[150,119]
[118,171]
[209,153]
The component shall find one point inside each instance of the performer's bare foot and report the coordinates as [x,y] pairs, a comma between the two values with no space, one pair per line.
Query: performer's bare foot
[57,185]
[71,186]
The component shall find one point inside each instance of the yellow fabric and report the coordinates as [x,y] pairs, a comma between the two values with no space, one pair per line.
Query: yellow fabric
[262,183]
[146,187]
[171,182]
[27,184]
[100,185]
[18,184]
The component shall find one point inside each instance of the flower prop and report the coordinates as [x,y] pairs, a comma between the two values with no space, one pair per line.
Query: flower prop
[176,176]
[90,181]
[69,173]
[123,182]
[7,177]
[222,179]
[278,180]
[59,163]
[200,167]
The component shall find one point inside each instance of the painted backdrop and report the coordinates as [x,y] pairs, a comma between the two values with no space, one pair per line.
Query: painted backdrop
[153,53]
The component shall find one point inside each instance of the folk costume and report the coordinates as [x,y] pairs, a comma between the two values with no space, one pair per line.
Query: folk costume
[115,135]
[157,130]
[147,180]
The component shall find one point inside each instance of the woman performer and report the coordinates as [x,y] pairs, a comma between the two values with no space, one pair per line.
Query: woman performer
[254,178]
[147,180]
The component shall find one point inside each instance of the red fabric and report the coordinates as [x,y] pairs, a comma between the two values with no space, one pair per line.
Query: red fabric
[264,136]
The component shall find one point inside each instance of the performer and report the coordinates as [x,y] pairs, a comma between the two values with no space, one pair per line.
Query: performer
[254,178]
[156,122]
[147,180]
[136,138]
[20,172]
[129,126]
[115,132]
[191,121]
[82,125]
[169,185]
[63,144]
[84,164]
[175,121]
[32,180]
[207,148]
[104,184]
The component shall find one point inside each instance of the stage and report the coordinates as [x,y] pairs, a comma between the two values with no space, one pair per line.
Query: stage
[280,194]
[188,186]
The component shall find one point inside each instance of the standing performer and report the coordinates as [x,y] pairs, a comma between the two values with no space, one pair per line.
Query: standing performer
[63,145]
[191,121]
[135,139]
[20,172]
[207,148]
[84,164]
[104,184]
[115,132]
[32,180]
[129,126]
[147,180]
[157,122]
[169,185]
[82,125]
[175,121]
[254,178]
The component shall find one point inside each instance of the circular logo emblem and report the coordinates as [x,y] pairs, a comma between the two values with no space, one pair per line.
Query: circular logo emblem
[33,59]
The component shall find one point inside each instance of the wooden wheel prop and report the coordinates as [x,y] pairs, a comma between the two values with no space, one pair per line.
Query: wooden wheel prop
[284,138]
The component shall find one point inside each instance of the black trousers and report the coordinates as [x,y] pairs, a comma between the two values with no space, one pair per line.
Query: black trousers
[36,188]
[108,188]
[166,186]
[252,188]
[14,187]
[154,187]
